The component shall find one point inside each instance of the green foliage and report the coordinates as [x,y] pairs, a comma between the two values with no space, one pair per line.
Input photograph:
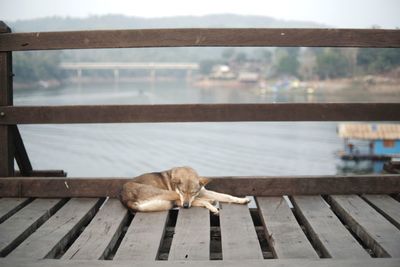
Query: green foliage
[35,66]
[241,57]
[287,61]
[263,55]
[228,53]
[331,63]
[206,66]
[374,60]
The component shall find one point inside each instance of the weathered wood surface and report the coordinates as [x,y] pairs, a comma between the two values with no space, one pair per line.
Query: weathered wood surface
[6,99]
[284,234]
[388,262]
[14,230]
[200,37]
[200,113]
[326,230]
[8,206]
[370,226]
[240,186]
[387,206]
[143,238]
[55,233]
[100,236]
[238,235]
[43,173]
[21,156]
[192,235]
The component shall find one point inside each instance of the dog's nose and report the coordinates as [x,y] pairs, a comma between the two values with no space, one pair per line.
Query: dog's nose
[186,205]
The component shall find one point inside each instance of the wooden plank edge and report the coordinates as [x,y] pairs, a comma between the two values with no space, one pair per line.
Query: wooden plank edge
[358,228]
[314,238]
[388,215]
[32,228]
[382,262]
[73,233]
[240,186]
[15,209]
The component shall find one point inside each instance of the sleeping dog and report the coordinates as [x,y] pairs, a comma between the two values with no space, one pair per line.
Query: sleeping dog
[180,186]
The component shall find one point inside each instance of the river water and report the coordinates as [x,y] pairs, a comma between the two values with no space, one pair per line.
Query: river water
[213,149]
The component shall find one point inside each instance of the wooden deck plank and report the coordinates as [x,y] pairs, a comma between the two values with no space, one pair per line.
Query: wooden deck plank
[371,227]
[238,235]
[54,234]
[143,238]
[191,240]
[101,234]
[8,206]
[284,234]
[326,230]
[387,206]
[381,262]
[24,222]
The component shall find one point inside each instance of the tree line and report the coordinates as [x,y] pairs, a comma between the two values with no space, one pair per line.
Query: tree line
[304,63]
[313,63]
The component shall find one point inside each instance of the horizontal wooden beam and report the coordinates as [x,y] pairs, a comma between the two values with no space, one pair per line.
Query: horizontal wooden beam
[199,37]
[259,186]
[43,173]
[200,113]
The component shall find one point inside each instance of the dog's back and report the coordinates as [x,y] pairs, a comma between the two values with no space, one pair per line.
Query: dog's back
[154,179]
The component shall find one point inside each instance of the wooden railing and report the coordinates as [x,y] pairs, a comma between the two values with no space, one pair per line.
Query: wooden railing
[199,37]
[11,144]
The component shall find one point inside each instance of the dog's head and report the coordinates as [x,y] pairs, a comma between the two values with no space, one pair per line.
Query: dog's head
[187,183]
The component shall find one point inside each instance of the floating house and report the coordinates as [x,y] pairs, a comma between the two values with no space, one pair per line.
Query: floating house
[383,140]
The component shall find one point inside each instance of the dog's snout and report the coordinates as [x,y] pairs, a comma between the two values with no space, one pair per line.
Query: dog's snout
[186,205]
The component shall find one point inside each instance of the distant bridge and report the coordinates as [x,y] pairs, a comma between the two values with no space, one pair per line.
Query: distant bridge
[116,66]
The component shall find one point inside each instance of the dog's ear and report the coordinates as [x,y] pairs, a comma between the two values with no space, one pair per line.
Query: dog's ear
[174,177]
[203,181]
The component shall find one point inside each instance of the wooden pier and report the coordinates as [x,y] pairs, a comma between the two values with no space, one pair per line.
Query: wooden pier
[313,230]
[47,219]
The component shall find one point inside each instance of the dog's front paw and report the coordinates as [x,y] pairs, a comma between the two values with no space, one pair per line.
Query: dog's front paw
[243,200]
[216,211]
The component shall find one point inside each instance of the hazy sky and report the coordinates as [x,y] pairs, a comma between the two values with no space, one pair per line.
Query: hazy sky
[337,13]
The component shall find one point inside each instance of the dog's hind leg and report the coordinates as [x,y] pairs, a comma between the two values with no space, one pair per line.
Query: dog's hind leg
[140,197]
[154,205]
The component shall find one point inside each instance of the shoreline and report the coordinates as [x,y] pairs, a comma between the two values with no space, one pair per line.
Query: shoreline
[381,84]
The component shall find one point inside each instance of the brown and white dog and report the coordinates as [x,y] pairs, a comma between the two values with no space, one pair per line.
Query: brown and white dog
[180,186]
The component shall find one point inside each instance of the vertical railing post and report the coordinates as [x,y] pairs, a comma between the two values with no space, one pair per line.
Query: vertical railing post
[6,99]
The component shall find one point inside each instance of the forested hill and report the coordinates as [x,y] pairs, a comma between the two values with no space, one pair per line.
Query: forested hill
[324,63]
[124,22]
[44,64]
